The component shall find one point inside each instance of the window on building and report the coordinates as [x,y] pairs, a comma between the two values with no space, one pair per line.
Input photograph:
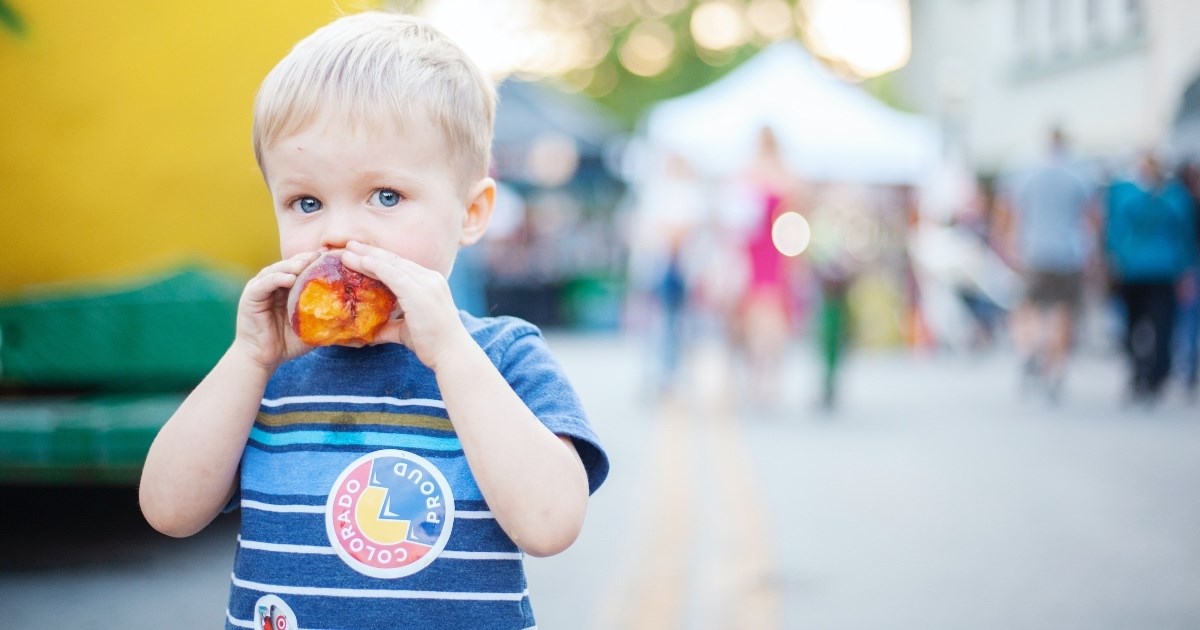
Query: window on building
[1091,12]
[1133,15]
[1022,21]
[1056,27]
[1093,20]
[1054,35]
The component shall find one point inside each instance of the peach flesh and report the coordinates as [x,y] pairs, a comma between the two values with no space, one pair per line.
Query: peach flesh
[333,305]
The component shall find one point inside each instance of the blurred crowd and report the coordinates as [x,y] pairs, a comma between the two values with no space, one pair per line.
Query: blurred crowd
[1061,255]
[1129,235]
[755,260]
[1126,235]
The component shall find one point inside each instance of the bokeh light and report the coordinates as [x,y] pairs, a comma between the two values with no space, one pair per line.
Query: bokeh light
[648,50]
[719,25]
[870,37]
[552,159]
[791,234]
[656,44]
[771,19]
[496,35]
[666,7]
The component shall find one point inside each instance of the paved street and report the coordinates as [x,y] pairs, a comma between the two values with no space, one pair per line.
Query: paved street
[933,498]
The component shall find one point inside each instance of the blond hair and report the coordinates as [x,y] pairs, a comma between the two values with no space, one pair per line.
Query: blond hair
[381,68]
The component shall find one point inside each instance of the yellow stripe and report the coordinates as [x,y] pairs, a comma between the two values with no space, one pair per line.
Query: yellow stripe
[647,590]
[751,578]
[684,566]
[357,418]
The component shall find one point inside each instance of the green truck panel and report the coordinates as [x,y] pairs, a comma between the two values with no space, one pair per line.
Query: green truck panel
[160,335]
[88,377]
[84,440]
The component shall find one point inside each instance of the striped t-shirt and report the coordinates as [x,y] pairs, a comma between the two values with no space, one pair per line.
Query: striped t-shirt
[358,508]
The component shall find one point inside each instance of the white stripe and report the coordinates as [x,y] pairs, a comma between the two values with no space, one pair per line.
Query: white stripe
[322,550]
[282,548]
[482,555]
[271,507]
[354,400]
[238,622]
[377,593]
[320,509]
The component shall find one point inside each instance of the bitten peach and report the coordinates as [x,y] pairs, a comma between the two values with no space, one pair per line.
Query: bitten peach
[333,305]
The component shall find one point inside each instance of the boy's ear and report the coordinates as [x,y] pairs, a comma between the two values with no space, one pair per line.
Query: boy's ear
[481,200]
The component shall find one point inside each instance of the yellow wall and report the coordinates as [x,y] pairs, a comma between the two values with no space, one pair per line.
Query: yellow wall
[125,135]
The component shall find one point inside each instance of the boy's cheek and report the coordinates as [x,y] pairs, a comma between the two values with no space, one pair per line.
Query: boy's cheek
[292,244]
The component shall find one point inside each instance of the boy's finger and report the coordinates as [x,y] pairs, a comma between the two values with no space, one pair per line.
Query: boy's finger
[362,250]
[359,262]
[392,332]
[378,253]
[293,265]
[299,262]
[359,247]
[389,272]
[263,288]
[353,261]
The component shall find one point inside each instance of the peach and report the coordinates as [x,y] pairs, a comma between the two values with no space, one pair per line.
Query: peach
[333,305]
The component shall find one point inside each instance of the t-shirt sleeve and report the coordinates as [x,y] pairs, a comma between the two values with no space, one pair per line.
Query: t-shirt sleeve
[536,376]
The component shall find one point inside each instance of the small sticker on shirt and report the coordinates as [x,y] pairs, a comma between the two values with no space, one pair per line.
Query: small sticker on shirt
[389,514]
[272,613]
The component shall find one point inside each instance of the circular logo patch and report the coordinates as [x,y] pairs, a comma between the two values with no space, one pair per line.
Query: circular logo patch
[389,514]
[272,613]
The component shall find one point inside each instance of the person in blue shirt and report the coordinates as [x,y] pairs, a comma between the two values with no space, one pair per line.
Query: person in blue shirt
[1150,244]
[401,483]
[1188,326]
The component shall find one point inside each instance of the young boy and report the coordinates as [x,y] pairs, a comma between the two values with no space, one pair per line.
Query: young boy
[397,484]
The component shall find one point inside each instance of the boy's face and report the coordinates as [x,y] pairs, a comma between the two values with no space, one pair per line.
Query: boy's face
[391,188]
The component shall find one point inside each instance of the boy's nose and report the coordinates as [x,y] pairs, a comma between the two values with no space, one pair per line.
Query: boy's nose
[340,228]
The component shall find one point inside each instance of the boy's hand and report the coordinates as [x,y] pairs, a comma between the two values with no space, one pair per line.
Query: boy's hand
[430,326]
[263,331]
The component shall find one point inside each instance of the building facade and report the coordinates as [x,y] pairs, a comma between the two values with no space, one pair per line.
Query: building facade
[998,74]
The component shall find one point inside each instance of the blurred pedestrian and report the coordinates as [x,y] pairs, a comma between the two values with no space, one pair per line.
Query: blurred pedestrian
[762,325]
[1188,326]
[833,325]
[1150,240]
[672,292]
[1051,235]
[670,207]
[835,221]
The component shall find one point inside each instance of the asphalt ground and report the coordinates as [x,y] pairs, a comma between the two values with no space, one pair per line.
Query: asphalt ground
[941,492]
[937,494]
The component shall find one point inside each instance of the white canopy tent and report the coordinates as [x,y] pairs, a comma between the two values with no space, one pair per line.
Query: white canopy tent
[828,129]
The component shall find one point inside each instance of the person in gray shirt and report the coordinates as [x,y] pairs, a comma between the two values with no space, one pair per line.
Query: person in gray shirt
[1051,232]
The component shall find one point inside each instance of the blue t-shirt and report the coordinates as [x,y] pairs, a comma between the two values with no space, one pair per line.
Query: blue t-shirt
[359,510]
[1149,232]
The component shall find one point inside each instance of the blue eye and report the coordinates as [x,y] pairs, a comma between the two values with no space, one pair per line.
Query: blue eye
[307,205]
[387,197]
